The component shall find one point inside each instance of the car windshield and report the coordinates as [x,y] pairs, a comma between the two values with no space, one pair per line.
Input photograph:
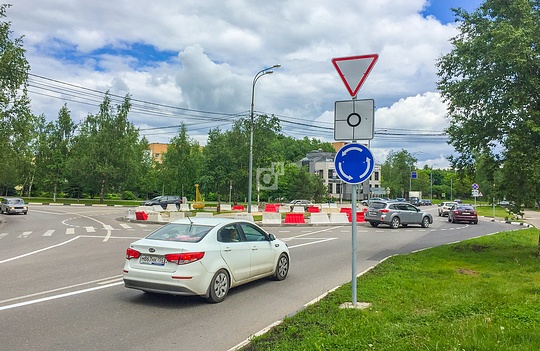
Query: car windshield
[16,201]
[180,232]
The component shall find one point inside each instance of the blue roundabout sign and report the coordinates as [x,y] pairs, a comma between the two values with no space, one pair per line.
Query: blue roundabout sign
[354,163]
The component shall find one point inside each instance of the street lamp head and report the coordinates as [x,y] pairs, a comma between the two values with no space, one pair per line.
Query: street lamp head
[276,65]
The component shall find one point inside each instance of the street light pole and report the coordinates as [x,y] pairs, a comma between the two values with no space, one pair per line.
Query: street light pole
[250,180]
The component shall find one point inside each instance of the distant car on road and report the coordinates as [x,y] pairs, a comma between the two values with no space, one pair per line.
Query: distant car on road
[163,201]
[370,200]
[445,207]
[463,213]
[396,213]
[304,203]
[12,205]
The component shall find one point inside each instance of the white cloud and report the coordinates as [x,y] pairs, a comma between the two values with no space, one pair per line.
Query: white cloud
[207,53]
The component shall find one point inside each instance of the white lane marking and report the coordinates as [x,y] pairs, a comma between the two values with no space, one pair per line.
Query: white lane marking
[97,281]
[49,232]
[90,229]
[108,227]
[125,226]
[70,231]
[142,225]
[31,302]
[112,281]
[3,235]
[311,243]
[40,250]
[24,235]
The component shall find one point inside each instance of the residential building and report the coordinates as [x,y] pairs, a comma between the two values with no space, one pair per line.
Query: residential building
[157,150]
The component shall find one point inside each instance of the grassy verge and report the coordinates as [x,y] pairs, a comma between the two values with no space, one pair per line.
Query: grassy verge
[487,211]
[481,294]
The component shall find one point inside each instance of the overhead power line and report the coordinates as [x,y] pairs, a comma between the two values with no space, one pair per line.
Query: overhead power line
[200,119]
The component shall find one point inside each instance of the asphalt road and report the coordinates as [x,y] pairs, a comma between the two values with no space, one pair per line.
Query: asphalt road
[61,286]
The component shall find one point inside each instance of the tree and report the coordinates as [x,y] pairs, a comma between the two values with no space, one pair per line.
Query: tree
[53,151]
[16,121]
[107,154]
[395,173]
[182,164]
[491,80]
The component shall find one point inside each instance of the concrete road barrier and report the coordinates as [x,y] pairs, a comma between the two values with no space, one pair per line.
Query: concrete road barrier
[339,217]
[271,218]
[319,218]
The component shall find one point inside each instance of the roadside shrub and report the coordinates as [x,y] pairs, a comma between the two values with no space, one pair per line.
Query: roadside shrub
[128,195]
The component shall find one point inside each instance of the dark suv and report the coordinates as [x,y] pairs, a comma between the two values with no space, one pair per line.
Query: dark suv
[396,213]
[163,201]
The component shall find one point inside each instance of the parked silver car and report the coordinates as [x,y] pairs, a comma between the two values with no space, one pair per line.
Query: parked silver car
[396,213]
[11,205]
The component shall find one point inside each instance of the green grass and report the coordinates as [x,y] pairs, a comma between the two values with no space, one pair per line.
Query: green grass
[487,211]
[481,294]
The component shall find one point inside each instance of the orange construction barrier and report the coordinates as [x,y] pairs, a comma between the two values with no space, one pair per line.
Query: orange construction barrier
[359,214]
[141,216]
[270,208]
[313,209]
[238,207]
[294,218]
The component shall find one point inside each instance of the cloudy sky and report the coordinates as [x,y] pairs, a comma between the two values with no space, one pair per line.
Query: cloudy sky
[194,61]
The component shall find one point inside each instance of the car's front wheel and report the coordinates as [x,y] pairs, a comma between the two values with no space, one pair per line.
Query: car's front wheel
[219,287]
[282,267]
[395,223]
[425,222]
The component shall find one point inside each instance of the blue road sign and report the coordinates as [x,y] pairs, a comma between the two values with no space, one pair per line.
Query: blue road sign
[414,175]
[475,186]
[354,163]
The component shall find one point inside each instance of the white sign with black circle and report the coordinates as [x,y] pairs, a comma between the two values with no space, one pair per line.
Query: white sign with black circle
[353,119]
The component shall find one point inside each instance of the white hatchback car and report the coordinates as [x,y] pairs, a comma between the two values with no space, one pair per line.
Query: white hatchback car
[205,257]
[445,207]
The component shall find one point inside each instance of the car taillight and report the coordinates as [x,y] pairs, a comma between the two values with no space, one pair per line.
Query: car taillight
[384,210]
[130,253]
[184,258]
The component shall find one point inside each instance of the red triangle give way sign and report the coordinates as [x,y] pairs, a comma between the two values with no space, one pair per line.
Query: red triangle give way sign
[354,70]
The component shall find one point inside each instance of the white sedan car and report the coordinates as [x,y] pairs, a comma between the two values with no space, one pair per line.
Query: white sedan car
[205,257]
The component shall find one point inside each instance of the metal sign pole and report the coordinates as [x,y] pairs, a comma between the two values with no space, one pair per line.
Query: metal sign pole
[353,212]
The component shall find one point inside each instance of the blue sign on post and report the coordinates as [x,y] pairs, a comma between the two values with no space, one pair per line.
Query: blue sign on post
[414,175]
[354,163]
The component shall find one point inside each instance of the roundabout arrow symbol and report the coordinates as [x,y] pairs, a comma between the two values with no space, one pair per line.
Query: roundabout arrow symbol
[368,161]
[343,172]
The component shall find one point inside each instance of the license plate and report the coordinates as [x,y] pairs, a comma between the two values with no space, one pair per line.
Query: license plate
[153,260]
[373,213]
[465,213]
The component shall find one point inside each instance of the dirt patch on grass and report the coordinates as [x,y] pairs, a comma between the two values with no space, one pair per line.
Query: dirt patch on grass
[473,248]
[466,271]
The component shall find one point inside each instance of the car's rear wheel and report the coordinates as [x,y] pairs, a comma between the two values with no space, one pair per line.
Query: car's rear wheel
[440,214]
[475,222]
[395,223]
[282,267]
[219,287]
[425,222]
[374,224]
[449,219]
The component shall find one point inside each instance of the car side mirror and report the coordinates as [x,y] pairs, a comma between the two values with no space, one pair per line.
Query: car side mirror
[272,237]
